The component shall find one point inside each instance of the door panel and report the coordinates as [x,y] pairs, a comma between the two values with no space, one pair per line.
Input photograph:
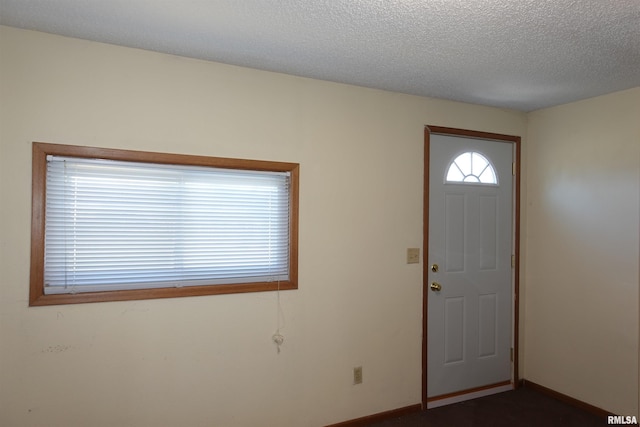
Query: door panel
[453,330]
[488,325]
[470,239]
[454,237]
[488,245]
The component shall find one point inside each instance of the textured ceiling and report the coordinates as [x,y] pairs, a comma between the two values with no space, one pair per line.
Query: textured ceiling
[519,54]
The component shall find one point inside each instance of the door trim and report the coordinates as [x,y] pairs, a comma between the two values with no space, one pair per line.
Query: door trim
[515,140]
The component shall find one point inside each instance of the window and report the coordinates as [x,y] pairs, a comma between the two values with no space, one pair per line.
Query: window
[471,167]
[117,225]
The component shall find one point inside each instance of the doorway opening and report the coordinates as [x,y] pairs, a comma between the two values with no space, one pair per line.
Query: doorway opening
[471,264]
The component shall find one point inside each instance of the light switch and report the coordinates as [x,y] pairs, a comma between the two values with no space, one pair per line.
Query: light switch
[413,255]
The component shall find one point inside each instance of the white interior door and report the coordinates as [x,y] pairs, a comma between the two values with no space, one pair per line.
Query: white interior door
[470,292]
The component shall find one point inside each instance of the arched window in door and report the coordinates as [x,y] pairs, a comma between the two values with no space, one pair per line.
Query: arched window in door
[473,168]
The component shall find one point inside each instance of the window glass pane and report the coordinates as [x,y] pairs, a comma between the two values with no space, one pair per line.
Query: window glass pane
[478,164]
[454,174]
[488,176]
[463,161]
[471,167]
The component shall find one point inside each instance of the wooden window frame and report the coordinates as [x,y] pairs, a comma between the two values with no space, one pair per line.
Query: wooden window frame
[40,151]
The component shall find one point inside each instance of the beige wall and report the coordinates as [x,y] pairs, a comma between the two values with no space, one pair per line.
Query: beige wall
[210,360]
[582,240]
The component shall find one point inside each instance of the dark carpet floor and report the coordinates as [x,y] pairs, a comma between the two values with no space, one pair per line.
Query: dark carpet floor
[523,407]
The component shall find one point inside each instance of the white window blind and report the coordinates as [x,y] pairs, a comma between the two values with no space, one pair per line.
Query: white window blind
[113,225]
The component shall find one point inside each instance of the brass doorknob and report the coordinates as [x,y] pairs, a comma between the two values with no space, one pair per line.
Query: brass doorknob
[435,286]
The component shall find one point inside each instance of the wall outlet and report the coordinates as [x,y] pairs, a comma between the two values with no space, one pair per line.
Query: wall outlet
[357,375]
[413,255]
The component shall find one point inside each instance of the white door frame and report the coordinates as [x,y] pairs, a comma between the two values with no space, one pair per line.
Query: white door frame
[515,140]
